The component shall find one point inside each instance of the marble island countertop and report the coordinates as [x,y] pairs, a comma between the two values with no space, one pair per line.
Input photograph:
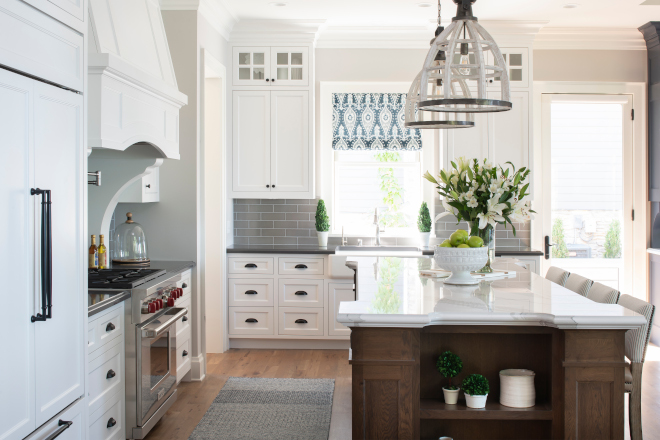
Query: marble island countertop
[391,293]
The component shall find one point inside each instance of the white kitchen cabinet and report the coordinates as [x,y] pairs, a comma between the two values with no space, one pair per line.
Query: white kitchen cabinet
[338,292]
[67,425]
[272,150]
[41,142]
[509,133]
[69,12]
[517,61]
[144,190]
[271,66]
[468,142]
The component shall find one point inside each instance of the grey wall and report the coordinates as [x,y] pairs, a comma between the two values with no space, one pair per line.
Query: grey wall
[590,65]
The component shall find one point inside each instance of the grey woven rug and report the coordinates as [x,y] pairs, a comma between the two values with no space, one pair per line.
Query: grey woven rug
[273,409]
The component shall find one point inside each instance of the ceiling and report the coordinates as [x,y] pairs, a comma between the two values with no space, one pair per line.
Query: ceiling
[588,13]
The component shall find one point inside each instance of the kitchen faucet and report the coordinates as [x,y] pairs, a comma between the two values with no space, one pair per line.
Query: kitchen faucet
[377,223]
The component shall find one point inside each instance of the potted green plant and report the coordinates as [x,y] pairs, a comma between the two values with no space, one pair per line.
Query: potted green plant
[424,224]
[475,387]
[450,365]
[322,224]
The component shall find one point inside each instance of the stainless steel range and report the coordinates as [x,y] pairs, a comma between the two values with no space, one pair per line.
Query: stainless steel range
[150,317]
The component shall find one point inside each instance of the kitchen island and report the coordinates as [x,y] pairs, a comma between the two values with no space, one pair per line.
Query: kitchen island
[401,323]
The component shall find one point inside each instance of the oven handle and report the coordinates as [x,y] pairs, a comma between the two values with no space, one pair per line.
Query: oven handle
[154,332]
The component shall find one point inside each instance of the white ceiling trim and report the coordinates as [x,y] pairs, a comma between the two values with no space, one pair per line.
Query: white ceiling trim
[276,31]
[590,39]
[217,12]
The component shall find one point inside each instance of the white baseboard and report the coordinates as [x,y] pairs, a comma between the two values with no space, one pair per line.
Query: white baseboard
[198,368]
[290,344]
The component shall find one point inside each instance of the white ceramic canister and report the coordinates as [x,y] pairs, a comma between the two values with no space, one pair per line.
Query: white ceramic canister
[517,388]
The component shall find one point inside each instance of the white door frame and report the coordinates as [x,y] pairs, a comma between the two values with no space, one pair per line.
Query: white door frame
[640,230]
[212,202]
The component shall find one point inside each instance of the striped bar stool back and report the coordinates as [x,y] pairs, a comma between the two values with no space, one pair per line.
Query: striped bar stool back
[557,275]
[578,284]
[603,294]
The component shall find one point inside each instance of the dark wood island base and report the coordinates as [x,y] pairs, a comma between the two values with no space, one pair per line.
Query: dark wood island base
[397,390]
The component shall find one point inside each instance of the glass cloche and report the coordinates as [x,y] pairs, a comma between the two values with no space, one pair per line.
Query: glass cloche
[130,243]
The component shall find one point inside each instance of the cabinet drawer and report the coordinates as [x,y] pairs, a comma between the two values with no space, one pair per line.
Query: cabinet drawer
[105,328]
[300,293]
[182,358]
[256,265]
[300,321]
[301,266]
[250,292]
[105,376]
[184,323]
[107,423]
[251,321]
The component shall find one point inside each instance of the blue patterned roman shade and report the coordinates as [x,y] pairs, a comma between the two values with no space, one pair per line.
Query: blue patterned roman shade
[372,121]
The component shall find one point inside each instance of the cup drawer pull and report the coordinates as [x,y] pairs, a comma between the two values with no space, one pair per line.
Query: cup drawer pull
[250,292]
[185,353]
[251,320]
[184,319]
[301,321]
[251,266]
[301,266]
[111,374]
[112,422]
[110,327]
[300,293]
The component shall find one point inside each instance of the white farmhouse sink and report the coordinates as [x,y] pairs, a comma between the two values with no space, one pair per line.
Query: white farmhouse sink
[338,267]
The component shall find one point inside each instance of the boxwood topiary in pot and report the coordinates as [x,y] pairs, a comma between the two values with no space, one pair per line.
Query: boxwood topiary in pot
[450,365]
[476,389]
[424,224]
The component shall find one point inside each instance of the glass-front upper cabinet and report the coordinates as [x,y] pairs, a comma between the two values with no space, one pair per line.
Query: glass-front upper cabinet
[251,66]
[516,59]
[276,66]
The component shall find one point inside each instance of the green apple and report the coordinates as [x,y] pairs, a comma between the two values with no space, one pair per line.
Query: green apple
[463,245]
[463,231]
[457,238]
[446,243]
[475,242]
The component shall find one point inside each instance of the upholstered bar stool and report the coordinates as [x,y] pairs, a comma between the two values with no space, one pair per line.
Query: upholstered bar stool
[636,343]
[557,275]
[603,294]
[578,284]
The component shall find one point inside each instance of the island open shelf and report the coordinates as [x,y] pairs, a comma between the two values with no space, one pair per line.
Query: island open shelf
[432,409]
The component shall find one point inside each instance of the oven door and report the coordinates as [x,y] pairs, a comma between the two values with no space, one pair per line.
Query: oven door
[156,362]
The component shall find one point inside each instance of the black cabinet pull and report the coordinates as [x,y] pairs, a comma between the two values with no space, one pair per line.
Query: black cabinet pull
[111,374]
[273,79]
[185,353]
[300,292]
[184,319]
[250,292]
[301,321]
[251,266]
[110,327]
[184,285]
[267,186]
[62,426]
[267,79]
[46,256]
[112,422]
[273,184]
[148,186]
[251,320]
[301,266]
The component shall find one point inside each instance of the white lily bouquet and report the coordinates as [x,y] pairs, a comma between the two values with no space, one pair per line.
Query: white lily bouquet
[484,195]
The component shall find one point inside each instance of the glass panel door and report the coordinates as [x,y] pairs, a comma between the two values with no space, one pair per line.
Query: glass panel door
[158,370]
[587,212]
[290,66]
[251,66]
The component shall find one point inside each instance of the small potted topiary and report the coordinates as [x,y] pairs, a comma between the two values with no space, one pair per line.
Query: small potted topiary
[322,224]
[475,387]
[424,224]
[449,365]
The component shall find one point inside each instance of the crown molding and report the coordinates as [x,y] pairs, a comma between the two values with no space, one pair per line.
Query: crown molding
[217,12]
[276,31]
[589,39]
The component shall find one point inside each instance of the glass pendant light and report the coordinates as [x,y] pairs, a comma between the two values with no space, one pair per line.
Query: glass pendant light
[415,117]
[472,60]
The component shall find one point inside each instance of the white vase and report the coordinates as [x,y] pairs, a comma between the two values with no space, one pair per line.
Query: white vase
[517,388]
[424,237]
[323,238]
[475,401]
[460,261]
[451,396]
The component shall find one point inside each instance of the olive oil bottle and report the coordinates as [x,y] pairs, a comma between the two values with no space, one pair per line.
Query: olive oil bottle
[103,254]
[93,254]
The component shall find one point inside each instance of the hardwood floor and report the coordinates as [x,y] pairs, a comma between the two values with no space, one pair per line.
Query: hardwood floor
[196,397]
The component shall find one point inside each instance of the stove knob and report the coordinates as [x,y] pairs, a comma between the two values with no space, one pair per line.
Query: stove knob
[160,303]
[180,292]
[170,302]
[152,307]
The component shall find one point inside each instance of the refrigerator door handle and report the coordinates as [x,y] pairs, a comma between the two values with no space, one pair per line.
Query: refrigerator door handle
[46,256]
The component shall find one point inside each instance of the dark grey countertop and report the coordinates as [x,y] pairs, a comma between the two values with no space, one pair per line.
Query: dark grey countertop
[310,249]
[170,267]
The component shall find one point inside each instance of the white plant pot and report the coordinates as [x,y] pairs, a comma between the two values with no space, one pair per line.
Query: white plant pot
[451,396]
[424,237]
[475,401]
[517,388]
[460,262]
[323,238]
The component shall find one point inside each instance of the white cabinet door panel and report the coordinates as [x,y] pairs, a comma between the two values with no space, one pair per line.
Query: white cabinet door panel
[16,262]
[251,141]
[59,342]
[290,147]
[510,133]
[289,66]
[468,142]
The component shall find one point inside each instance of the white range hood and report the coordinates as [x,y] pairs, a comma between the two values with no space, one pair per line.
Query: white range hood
[132,89]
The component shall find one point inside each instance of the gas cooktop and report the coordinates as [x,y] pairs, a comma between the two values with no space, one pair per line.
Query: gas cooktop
[121,278]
